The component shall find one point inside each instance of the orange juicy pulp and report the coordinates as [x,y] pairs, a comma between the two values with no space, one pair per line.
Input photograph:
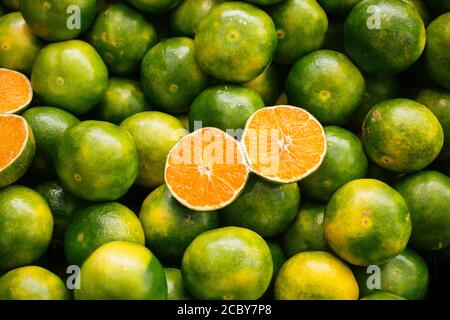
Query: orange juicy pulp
[13,137]
[15,91]
[206,170]
[283,143]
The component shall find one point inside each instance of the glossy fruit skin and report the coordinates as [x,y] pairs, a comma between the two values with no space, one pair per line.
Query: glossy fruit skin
[154,6]
[300,278]
[50,19]
[295,20]
[98,224]
[406,276]
[367,222]
[235,42]
[102,276]
[70,75]
[32,283]
[48,125]
[27,225]
[427,194]
[386,40]
[122,36]
[20,165]
[267,85]
[175,286]
[377,90]
[63,206]
[327,84]
[421,9]
[19,48]
[169,226]
[171,76]
[224,107]
[306,232]
[97,161]
[338,7]
[382,296]
[438,101]
[229,263]
[264,207]
[345,161]
[154,133]
[406,146]
[123,98]
[185,18]
[437,60]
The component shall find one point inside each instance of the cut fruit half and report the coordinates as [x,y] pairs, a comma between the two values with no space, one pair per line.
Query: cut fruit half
[15,91]
[283,144]
[17,148]
[206,170]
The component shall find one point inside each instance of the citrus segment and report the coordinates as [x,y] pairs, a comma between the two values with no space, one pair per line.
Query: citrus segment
[15,91]
[283,143]
[17,148]
[206,170]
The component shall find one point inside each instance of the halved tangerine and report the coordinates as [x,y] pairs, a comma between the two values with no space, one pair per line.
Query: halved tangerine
[15,91]
[206,170]
[17,148]
[283,144]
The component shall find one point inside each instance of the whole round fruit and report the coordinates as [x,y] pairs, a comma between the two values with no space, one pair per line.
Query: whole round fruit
[228,263]
[97,161]
[226,107]
[171,76]
[338,7]
[306,232]
[58,20]
[98,224]
[384,37]
[367,222]
[123,98]
[438,101]
[185,18]
[437,60]
[175,286]
[267,85]
[169,226]
[402,135]
[122,36]
[315,275]
[154,6]
[70,75]
[427,194]
[32,283]
[235,42]
[102,275]
[19,48]
[406,276]
[377,90]
[27,226]
[63,206]
[154,133]
[264,207]
[294,20]
[48,125]
[344,161]
[327,84]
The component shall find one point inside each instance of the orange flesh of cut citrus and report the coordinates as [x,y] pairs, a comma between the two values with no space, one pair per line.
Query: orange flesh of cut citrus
[13,136]
[206,170]
[284,143]
[15,91]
